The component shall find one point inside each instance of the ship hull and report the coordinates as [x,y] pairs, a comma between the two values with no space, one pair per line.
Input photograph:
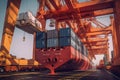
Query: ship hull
[66,58]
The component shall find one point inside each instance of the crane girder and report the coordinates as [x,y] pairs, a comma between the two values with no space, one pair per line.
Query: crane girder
[98,33]
[99,51]
[94,3]
[50,6]
[71,3]
[55,3]
[93,29]
[67,16]
[105,47]
[81,8]
[95,40]
[98,45]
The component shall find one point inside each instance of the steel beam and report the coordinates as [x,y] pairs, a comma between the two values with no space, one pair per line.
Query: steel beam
[86,10]
[55,3]
[116,33]
[9,24]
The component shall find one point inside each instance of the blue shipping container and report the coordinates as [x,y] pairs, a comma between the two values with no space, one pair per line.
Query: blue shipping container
[82,49]
[40,35]
[64,32]
[41,43]
[53,42]
[66,41]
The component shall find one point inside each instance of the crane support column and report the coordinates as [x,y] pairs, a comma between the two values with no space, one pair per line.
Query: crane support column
[9,24]
[116,33]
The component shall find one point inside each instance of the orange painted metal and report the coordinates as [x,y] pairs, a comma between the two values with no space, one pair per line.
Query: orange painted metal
[70,12]
[62,59]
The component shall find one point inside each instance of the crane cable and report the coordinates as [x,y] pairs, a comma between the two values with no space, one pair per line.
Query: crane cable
[24,37]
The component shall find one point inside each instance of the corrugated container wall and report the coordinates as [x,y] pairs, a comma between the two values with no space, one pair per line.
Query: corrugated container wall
[82,47]
[85,51]
[69,38]
[64,32]
[41,40]
[67,41]
[52,34]
[53,42]
[52,38]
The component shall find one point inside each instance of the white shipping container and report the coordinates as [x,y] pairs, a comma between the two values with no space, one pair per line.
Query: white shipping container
[38,24]
[28,15]
[27,19]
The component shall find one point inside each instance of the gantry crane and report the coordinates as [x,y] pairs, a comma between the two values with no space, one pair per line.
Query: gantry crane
[73,14]
[7,61]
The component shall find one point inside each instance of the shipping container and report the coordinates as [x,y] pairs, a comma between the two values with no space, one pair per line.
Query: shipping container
[67,41]
[28,16]
[77,40]
[52,34]
[53,42]
[27,22]
[85,51]
[67,32]
[41,43]
[40,35]
[64,37]
[41,40]
[79,48]
[82,47]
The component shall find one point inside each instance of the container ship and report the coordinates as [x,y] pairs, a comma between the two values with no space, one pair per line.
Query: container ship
[61,50]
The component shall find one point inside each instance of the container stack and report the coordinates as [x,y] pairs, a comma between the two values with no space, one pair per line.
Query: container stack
[67,37]
[41,40]
[52,38]
[62,38]
[84,50]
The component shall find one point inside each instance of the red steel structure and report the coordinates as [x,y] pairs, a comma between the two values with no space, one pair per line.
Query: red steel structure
[66,58]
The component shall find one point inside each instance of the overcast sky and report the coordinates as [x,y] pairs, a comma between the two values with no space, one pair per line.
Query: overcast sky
[24,49]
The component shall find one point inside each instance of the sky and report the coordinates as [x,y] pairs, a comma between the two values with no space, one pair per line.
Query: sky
[24,49]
